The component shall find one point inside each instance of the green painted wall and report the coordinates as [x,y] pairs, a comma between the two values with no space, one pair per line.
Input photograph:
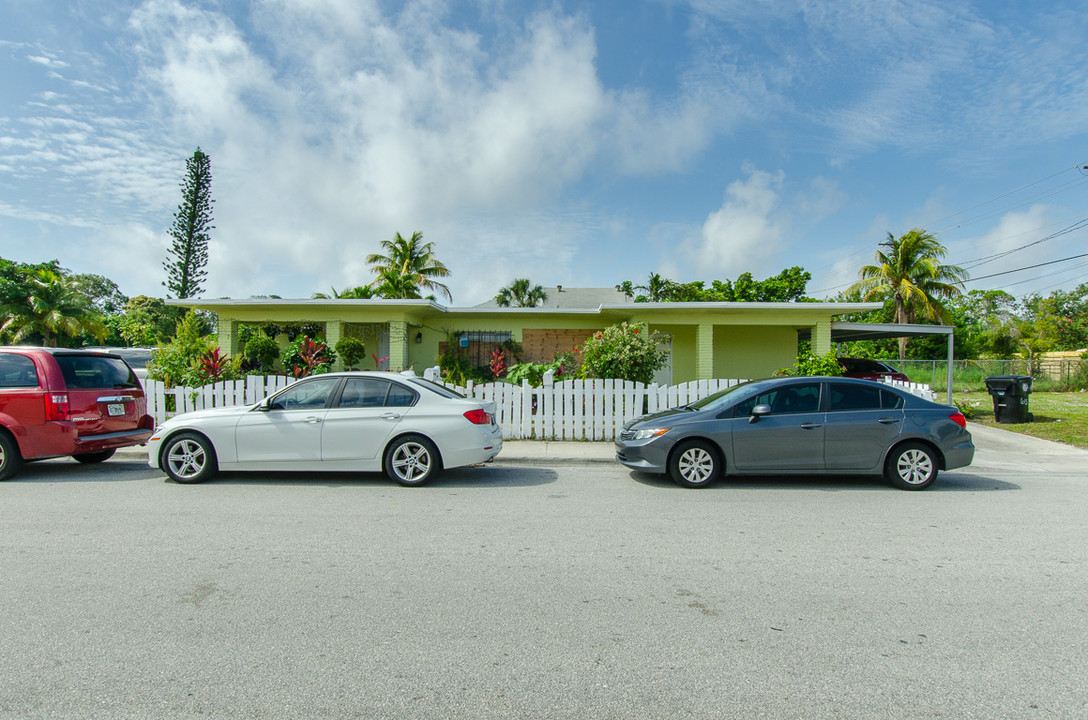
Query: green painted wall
[747,341]
[747,352]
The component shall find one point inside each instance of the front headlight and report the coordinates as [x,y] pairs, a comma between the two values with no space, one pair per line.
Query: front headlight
[647,433]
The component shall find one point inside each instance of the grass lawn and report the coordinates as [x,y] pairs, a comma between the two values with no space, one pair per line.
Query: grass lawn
[1062,417]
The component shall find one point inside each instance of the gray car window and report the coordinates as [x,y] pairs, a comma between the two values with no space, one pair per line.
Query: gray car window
[786,400]
[848,396]
[17,371]
[308,394]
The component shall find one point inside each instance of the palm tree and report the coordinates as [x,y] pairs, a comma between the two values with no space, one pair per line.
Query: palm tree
[391,284]
[657,288]
[411,259]
[909,272]
[521,293]
[53,305]
[359,292]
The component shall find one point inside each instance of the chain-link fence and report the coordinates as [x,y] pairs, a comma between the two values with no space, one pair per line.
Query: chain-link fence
[1055,373]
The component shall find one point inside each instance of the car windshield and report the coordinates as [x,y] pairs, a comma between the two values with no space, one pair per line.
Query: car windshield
[726,397]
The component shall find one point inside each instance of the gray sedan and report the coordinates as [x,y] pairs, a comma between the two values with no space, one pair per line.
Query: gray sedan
[811,425]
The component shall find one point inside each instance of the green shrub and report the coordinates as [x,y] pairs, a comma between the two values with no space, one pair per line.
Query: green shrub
[305,357]
[261,353]
[175,363]
[809,364]
[351,350]
[624,352]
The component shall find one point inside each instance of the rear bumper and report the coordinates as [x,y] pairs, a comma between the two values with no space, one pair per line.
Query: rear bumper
[961,455]
[59,438]
[92,443]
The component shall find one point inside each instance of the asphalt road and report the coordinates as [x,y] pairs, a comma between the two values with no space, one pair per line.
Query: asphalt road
[536,591]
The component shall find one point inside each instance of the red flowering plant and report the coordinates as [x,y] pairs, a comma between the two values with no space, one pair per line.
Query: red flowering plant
[498,362]
[306,357]
[214,365]
[623,352]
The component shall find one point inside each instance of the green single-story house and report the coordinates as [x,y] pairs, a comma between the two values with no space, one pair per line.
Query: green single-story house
[702,340]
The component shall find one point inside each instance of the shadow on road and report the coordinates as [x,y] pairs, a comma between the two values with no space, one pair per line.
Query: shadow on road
[470,477]
[67,470]
[954,481]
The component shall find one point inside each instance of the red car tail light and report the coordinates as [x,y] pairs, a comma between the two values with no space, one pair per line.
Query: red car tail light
[959,419]
[56,407]
[478,417]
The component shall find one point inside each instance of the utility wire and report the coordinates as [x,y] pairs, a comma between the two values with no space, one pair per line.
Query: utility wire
[1029,267]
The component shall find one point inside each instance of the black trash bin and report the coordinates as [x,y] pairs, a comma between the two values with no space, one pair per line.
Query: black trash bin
[1010,394]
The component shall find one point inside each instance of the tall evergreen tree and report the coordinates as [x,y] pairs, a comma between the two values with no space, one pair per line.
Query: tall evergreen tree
[188,253]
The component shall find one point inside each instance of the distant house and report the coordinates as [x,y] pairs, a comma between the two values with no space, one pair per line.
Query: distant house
[703,340]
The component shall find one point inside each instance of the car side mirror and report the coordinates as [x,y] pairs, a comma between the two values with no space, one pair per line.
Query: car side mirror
[267,404]
[757,412]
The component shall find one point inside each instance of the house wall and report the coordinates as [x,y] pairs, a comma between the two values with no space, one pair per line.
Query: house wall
[706,341]
[749,352]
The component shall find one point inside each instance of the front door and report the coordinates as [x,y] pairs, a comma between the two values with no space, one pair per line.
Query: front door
[790,438]
[290,428]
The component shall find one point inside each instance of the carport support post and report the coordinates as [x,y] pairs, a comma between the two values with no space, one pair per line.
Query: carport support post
[951,338]
[334,330]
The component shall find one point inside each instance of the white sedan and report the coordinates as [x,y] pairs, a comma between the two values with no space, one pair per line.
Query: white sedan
[355,421]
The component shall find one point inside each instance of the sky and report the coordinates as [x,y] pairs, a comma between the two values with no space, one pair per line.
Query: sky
[573,143]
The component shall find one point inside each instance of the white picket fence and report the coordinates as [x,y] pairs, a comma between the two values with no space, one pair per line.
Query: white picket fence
[566,410]
[920,389]
[581,409]
[221,394]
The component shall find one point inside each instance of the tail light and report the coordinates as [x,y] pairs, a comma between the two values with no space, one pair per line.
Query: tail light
[56,407]
[959,419]
[478,417]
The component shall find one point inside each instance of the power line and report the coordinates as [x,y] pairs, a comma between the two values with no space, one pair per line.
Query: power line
[1029,267]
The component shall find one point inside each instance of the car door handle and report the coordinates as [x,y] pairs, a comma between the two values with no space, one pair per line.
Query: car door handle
[311,420]
[810,426]
[391,416]
[888,421]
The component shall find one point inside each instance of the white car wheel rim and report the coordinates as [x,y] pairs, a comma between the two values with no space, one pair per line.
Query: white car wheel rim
[411,461]
[186,459]
[914,467]
[696,465]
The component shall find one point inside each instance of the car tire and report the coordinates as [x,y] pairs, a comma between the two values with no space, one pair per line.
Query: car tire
[11,461]
[694,464]
[188,458]
[412,460]
[91,458]
[911,466]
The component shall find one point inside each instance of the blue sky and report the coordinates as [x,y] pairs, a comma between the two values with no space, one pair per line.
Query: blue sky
[574,143]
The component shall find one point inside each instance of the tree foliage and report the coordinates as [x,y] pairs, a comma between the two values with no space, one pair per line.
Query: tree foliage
[43,303]
[406,266]
[521,293]
[787,286]
[909,273]
[176,362]
[188,254]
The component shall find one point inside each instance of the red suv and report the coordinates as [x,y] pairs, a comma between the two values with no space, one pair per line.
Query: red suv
[56,402]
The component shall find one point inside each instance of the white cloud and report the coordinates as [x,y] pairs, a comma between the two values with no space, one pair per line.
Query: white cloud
[746,232]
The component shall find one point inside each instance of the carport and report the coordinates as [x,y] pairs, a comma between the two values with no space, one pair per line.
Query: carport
[850,331]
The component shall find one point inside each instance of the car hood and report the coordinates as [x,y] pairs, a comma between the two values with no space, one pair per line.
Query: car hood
[197,415]
[663,415]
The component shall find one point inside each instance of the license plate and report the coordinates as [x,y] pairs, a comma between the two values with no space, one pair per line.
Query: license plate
[115,409]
